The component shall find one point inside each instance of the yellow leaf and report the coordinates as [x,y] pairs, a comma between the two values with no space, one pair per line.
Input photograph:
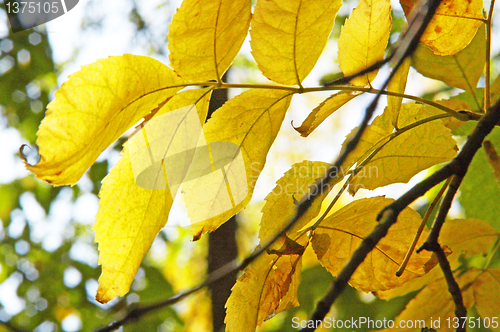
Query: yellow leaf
[128,220]
[130,216]
[289,36]
[487,297]
[398,85]
[453,26]
[464,237]
[250,121]
[326,108]
[94,108]
[462,70]
[407,153]
[205,37]
[268,286]
[340,234]
[467,238]
[363,38]
[281,203]
[435,302]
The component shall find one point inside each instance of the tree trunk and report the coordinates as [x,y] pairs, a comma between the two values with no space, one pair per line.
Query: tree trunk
[222,247]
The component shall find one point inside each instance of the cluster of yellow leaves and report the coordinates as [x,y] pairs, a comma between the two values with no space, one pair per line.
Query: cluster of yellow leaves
[102,101]
[465,238]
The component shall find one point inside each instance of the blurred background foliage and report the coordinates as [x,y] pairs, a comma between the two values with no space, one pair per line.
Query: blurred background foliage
[48,261]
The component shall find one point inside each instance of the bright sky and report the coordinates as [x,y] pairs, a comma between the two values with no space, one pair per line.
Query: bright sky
[115,39]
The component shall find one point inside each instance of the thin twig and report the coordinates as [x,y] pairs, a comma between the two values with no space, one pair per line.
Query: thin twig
[487,78]
[493,158]
[453,287]
[432,238]
[432,244]
[427,215]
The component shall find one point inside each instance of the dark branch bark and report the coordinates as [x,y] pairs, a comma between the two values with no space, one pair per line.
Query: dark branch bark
[222,247]
[453,287]
[432,238]
[387,217]
[432,244]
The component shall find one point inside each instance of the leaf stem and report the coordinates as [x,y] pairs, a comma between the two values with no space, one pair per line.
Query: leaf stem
[487,74]
[459,115]
[462,116]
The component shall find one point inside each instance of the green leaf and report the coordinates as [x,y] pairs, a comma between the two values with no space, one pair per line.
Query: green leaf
[480,194]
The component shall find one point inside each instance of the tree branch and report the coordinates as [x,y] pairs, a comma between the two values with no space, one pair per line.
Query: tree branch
[388,216]
[453,287]
[432,244]
[432,238]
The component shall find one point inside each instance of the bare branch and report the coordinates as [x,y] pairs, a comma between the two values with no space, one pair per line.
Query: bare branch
[453,287]
[432,238]
[421,227]
[431,244]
